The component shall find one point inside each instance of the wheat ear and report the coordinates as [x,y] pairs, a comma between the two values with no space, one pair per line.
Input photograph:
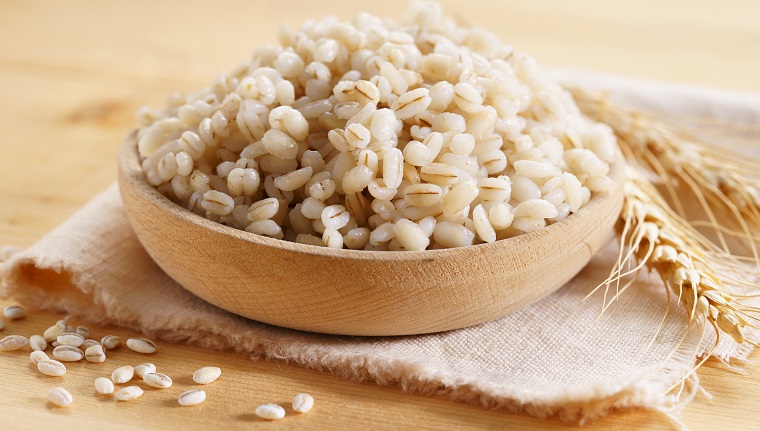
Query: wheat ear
[718,178]
[710,281]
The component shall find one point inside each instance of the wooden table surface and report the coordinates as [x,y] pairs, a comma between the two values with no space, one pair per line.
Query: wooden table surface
[73,73]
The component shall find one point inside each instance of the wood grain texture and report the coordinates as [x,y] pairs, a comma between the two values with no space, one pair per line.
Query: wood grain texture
[72,73]
[356,292]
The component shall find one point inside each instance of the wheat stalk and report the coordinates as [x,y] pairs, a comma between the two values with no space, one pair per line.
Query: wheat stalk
[709,280]
[717,177]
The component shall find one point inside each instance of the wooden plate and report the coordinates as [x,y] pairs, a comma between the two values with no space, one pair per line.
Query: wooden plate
[361,292]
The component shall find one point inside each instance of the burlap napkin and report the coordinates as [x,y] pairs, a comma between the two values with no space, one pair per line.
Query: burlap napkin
[556,357]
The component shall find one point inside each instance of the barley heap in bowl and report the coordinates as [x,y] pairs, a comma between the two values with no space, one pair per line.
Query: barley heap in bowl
[379,136]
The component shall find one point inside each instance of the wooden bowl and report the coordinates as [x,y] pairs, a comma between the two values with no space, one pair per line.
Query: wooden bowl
[360,292]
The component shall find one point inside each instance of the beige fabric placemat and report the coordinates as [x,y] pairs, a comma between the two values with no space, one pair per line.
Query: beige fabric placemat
[554,358]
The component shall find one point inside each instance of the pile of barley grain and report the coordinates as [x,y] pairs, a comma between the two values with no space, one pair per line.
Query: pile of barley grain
[379,136]
[72,344]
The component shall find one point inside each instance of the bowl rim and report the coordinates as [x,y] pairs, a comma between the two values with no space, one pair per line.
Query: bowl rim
[130,170]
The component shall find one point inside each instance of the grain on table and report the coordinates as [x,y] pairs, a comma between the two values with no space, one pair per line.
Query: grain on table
[14,312]
[123,374]
[303,402]
[104,386]
[60,397]
[68,353]
[145,368]
[141,345]
[37,342]
[192,397]
[129,393]
[13,342]
[206,375]
[111,342]
[157,380]
[51,368]
[270,411]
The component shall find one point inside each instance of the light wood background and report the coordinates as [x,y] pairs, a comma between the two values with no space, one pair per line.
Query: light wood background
[72,74]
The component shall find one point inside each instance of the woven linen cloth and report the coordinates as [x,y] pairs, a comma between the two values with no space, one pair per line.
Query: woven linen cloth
[557,357]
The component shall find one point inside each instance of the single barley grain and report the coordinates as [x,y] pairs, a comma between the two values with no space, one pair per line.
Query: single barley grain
[123,374]
[83,331]
[467,97]
[14,312]
[129,393]
[411,103]
[459,197]
[38,356]
[451,234]
[293,180]
[439,173]
[423,194]
[335,217]
[143,369]
[95,354]
[192,397]
[60,397]
[523,189]
[141,345]
[157,380]
[104,386]
[206,375]
[263,209]
[51,367]
[536,208]
[528,224]
[52,333]
[13,342]
[111,342]
[70,339]
[495,189]
[393,168]
[416,153]
[534,169]
[410,235]
[89,343]
[68,353]
[483,226]
[302,403]
[270,411]
[37,342]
